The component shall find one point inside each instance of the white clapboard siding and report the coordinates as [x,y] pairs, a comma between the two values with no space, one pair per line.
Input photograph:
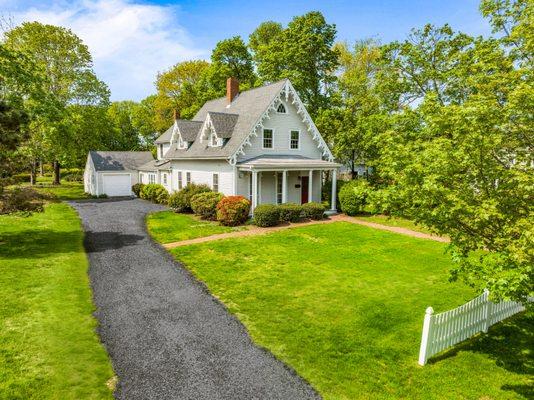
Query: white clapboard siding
[441,331]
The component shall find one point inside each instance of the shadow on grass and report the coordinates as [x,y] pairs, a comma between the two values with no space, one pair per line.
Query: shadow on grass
[33,243]
[509,343]
[96,242]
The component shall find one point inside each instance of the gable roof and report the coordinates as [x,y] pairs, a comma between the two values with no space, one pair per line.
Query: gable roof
[119,160]
[241,118]
[165,136]
[247,108]
[223,123]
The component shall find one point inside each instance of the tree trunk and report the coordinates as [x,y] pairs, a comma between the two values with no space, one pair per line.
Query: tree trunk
[56,173]
[33,172]
[41,168]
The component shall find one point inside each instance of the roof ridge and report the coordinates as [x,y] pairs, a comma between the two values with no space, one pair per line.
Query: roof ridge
[249,90]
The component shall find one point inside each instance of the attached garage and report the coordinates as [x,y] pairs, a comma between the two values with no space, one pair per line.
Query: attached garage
[113,173]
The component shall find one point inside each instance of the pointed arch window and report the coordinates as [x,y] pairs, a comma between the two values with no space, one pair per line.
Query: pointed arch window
[281,109]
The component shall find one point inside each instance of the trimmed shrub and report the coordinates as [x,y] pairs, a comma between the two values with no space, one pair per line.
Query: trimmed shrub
[155,193]
[181,201]
[290,212]
[137,188]
[266,215]
[313,210]
[205,204]
[353,196]
[233,210]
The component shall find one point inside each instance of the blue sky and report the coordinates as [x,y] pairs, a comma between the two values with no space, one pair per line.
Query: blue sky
[131,40]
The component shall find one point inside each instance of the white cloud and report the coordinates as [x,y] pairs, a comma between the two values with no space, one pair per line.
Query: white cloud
[130,42]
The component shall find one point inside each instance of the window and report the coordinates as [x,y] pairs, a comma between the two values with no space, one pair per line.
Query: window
[180,182]
[160,151]
[215,182]
[279,187]
[214,140]
[151,178]
[164,179]
[281,109]
[267,138]
[188,178]
[294,140]
[181,143]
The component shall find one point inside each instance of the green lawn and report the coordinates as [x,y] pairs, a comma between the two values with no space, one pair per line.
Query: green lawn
[168,227]
[65,191]
[48,345]
[343,305]
[394,221]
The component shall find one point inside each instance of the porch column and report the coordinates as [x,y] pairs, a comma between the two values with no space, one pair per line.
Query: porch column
[310,187]
[254,190]
[334,191]
[284,186]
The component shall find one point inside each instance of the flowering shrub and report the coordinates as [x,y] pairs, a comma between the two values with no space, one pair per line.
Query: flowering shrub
[205,204]
[233,210]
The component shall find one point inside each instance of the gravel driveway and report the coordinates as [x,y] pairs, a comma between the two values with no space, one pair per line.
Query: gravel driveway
[168,338]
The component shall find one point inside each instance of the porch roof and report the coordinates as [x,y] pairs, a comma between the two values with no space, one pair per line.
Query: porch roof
[285,162]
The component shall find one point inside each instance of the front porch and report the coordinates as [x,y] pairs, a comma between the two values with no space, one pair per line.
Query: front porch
[277,180]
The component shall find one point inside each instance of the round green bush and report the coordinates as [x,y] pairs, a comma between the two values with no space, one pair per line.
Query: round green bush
[290,212]
[233,210]
[154,192]
[353,196]
[205,204]
[313,210]
[181,201]
[137,188]
[266,215]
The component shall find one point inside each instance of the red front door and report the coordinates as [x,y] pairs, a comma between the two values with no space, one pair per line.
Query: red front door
[304,185]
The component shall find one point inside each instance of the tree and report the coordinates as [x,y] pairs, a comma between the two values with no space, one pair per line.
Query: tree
[460,159]
[144,121]
[260,40]
[68,79]
[352,122]
[231,58]
[179,88]
[302,52]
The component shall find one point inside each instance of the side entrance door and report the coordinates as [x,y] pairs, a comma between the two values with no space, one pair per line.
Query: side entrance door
[304,186]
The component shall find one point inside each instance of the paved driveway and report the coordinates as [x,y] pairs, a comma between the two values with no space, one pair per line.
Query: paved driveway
[168,338]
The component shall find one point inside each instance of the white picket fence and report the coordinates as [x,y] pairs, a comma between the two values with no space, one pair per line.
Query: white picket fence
[445,329]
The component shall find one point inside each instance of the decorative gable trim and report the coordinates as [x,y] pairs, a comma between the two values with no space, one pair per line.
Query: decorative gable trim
[209,134]
[176,137]
[288,91]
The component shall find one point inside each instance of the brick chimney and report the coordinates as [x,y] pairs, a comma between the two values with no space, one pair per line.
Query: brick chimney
[232,89]
[176,114]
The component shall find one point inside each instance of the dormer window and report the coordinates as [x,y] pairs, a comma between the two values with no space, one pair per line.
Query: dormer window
[181,143]
[281,109]
[214,141]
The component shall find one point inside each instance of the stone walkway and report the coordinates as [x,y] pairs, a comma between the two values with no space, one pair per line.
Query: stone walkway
[254,230]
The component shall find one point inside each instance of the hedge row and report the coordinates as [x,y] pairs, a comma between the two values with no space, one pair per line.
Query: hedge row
[271,215]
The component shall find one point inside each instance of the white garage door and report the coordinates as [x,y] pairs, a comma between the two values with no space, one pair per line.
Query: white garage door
[117,184]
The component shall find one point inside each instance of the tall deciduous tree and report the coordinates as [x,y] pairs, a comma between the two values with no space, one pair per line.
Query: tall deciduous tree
[231,58]
[302,52]
[460,159]
[180,88]
[68,77]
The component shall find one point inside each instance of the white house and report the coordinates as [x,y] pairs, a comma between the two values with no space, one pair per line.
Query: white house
[113,172]
[260,143]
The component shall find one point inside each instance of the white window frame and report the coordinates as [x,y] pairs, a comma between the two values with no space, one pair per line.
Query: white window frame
[151,177]
[180,180]
[298,140]
[181,143]
[164,178]
[187,178]
[279,179]
[263,138]
[215,182]
[214,140]
[285,109]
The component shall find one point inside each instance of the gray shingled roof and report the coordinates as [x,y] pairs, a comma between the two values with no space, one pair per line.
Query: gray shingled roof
[119,160]
[248,106]
[223,123]
[286,161]
[154,165]
[165,136]
[189,129]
